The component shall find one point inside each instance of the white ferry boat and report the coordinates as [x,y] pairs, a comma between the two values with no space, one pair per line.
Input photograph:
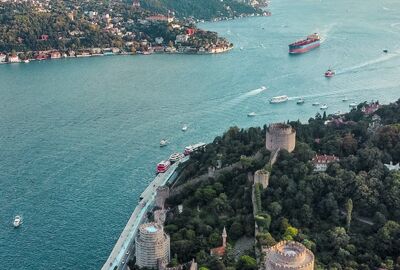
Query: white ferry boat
[17,221]
[175,157]
[279,99]
[192,148]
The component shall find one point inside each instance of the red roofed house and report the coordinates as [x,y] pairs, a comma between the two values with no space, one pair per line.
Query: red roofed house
[321,162]
[190,31]
[44,37]
[220,251]
[370,108]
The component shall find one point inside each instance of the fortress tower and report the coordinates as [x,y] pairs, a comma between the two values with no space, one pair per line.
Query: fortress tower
[152,246]
[162,193]
[280,136]
[289,255]
[261,177]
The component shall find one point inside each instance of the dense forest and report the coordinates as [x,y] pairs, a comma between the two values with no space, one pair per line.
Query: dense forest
[205,9]
[349,216]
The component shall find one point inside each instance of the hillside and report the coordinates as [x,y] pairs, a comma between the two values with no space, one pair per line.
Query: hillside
[205,9]
[348,216]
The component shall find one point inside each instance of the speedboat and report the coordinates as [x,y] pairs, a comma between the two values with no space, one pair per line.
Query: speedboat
[345,99]
[316,103]
[324,107]
[300,101]
[329,73]
[184,128]
[353,105]
[252,114]
[163,143]
[17,221]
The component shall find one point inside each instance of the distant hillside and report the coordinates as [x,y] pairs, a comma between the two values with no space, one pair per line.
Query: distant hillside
[204,9]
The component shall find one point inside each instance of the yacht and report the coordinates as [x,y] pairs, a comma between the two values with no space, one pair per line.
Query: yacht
[184,128]
[353,105]
[300,101]
[163,143]
[345,99]
[324,107]
[279,99]
[316,103]
[175,157]
[252,114]
[17,221]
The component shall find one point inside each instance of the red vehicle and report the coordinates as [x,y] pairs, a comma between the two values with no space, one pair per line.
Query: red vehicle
[163,166]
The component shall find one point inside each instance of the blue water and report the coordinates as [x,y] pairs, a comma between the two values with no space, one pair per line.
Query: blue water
[79,138]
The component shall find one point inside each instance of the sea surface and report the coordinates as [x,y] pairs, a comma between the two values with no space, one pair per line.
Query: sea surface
[79,138]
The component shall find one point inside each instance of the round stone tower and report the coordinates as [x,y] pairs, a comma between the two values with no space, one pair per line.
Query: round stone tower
[289,255]
[152,245]
[280,136]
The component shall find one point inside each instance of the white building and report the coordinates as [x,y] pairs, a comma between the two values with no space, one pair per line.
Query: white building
[3,58]
[152,246]
[392,167]
[13,59]
[321,162]
[181,38]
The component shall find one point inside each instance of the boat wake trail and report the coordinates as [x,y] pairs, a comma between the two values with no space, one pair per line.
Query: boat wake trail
[324,32]
[255,91]
[378,60]
[395,25]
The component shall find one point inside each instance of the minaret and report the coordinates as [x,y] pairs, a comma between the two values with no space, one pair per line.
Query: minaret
[224,235]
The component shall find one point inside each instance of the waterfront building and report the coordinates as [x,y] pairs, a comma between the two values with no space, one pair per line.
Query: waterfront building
[13,59]
[55,55]
[3,58]
[321,162]
[288,255]
[220,251]
[280,136]
[152,246]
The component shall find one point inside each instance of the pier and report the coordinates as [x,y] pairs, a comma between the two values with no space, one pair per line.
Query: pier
[121,253]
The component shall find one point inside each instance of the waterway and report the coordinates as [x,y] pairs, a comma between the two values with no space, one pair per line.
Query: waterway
[79,138]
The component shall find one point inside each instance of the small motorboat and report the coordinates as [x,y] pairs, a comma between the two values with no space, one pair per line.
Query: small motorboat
[353,105]
[329,73]
[26,61]
[163,143]
[315,104]
[17,221]
[385,51]
[252,114]
[324,107]
[300,101]
[345,99]
[184,128]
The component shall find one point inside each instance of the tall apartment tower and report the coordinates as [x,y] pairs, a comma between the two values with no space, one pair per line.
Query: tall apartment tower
[152,246]
[289,255]
[280,136]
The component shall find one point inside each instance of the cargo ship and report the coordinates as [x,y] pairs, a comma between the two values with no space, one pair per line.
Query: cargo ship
[305,45]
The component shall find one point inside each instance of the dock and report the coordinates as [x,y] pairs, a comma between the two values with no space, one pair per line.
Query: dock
[121,253]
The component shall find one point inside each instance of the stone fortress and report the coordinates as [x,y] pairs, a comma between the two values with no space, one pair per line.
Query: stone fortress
[280,136]
[152,246]
[288,255]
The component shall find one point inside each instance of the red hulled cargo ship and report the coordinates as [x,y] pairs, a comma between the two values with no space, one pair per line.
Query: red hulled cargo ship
[305,45]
